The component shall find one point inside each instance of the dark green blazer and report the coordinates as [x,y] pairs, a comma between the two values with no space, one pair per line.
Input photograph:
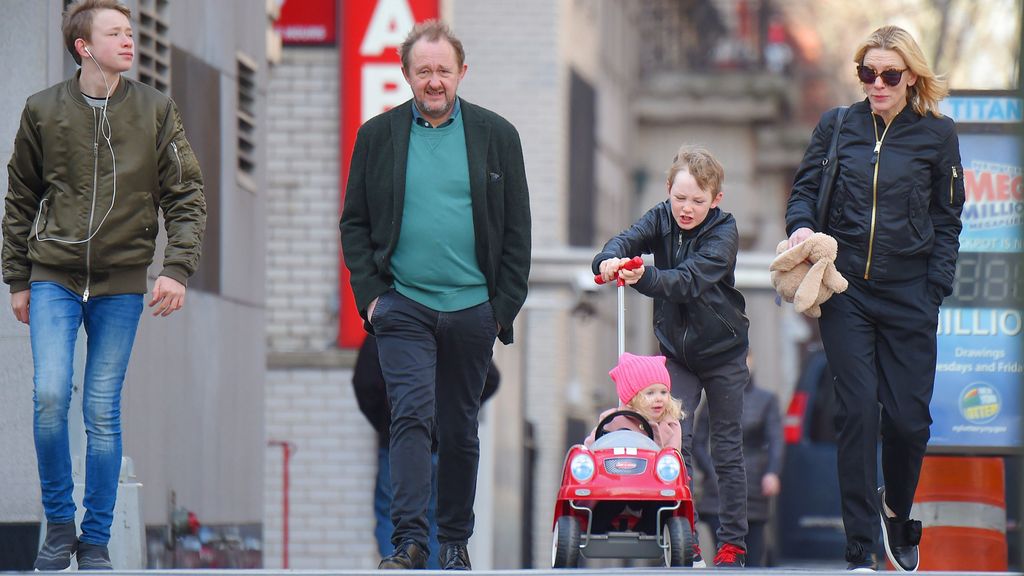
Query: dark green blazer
[375,196]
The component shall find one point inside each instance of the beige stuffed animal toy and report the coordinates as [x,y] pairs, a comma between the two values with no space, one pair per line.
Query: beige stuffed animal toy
[806,274]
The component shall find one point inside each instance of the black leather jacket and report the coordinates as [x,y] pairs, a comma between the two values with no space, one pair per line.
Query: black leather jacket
[699,315]
[896,212]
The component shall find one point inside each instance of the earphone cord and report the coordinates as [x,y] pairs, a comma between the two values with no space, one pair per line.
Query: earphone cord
[106,132]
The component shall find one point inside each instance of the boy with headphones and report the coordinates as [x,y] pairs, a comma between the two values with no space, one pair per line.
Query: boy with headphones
[94,159]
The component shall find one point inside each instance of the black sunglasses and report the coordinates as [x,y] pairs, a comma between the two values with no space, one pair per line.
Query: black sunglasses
[891,77]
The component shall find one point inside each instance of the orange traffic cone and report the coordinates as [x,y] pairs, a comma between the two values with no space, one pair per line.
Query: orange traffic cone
[961,503]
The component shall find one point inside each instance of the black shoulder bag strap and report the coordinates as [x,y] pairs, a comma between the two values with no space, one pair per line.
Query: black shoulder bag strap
[829,168]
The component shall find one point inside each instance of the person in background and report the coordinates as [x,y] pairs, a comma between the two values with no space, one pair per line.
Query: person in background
[762,457]
[371,396]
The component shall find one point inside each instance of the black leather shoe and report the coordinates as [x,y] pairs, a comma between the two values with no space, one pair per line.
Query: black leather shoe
[455,557]
[901,538]
[407,556]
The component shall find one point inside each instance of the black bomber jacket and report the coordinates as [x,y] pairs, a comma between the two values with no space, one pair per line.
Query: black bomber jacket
[699,315]
[899,192]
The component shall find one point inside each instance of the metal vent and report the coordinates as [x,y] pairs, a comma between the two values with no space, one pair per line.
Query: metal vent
[152,44]
[246,118]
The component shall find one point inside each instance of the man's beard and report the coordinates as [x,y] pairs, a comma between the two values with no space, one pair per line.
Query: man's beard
[433,112]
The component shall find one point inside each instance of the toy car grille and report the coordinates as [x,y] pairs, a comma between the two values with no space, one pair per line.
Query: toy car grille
[625,466]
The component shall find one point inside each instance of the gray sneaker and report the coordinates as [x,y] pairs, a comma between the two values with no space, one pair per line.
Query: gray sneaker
[93,557]
[58,547]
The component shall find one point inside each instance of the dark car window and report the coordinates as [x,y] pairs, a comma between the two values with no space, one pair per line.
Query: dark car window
[821,427]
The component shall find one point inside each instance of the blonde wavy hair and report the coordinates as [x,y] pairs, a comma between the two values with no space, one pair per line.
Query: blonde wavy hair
[673,408]
[705,169]
[923,96]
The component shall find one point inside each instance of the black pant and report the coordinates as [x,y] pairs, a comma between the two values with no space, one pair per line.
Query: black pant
[755,538]
[723,386]
[879,338]
[434,364]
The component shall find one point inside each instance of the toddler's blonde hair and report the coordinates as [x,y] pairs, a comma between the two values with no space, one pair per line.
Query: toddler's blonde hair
[673,408]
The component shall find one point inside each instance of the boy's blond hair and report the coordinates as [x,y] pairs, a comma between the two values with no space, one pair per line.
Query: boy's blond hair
[707,171]
[78,21]
[673,408]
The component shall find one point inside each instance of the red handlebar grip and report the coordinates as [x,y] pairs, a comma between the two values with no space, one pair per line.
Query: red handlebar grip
[634,263]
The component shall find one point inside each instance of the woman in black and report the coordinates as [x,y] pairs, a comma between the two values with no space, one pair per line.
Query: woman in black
[895,213]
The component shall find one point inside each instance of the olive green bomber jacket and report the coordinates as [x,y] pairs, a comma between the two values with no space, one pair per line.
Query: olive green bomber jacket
[69,219]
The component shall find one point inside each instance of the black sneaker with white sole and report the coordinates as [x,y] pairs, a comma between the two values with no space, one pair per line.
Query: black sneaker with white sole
[93,557]
[59,546]
[866,566]
[901,538]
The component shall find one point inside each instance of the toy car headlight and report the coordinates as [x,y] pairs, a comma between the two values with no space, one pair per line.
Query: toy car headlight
[668,468]
[582,467]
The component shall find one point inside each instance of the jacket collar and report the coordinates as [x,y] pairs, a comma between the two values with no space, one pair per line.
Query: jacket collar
[906,115]
[477,130]
[75,90]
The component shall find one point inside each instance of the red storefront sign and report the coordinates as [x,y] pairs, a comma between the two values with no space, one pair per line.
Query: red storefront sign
[371,83]
[308,22]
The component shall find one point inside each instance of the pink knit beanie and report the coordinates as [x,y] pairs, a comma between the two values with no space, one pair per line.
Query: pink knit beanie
[634,373]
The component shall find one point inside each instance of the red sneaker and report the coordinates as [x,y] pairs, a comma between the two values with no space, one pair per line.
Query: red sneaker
[730,556]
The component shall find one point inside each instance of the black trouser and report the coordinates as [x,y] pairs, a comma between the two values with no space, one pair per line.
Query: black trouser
[723,386]
[755,539]
[434,364]
[879,338]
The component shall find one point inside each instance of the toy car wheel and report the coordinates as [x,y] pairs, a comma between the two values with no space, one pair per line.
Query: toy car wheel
[678,537]
[565,543]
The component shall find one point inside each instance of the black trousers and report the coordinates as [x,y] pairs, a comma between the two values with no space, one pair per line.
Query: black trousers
[879,338]
[434,364]
[723,385]
[755,538]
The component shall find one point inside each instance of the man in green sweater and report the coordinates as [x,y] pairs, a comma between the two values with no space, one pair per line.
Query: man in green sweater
[436,234]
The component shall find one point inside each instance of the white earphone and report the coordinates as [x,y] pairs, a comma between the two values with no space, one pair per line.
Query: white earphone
[105,131]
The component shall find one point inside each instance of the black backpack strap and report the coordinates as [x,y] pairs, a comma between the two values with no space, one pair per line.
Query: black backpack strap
[829,169]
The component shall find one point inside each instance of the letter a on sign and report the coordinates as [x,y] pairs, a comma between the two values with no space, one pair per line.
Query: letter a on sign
[391,22]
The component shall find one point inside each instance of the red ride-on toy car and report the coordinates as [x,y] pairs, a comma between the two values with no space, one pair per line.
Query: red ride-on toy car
[623,465]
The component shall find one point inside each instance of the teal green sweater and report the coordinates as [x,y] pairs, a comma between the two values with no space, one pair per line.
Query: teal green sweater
[435,260]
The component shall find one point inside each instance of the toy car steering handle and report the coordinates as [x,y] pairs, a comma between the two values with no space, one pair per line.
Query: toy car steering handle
[634,263]
[636,416]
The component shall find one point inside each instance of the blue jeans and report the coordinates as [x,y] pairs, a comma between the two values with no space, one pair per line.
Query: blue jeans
[382,510]
[55,315]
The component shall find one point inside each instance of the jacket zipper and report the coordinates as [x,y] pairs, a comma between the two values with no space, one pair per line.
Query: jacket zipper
[686,329]
[874,192]
[727,325]
[177,160]
[951,182]
[92,209]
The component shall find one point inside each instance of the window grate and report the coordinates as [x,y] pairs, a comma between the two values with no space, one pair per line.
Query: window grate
[152,44]
[246,116]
